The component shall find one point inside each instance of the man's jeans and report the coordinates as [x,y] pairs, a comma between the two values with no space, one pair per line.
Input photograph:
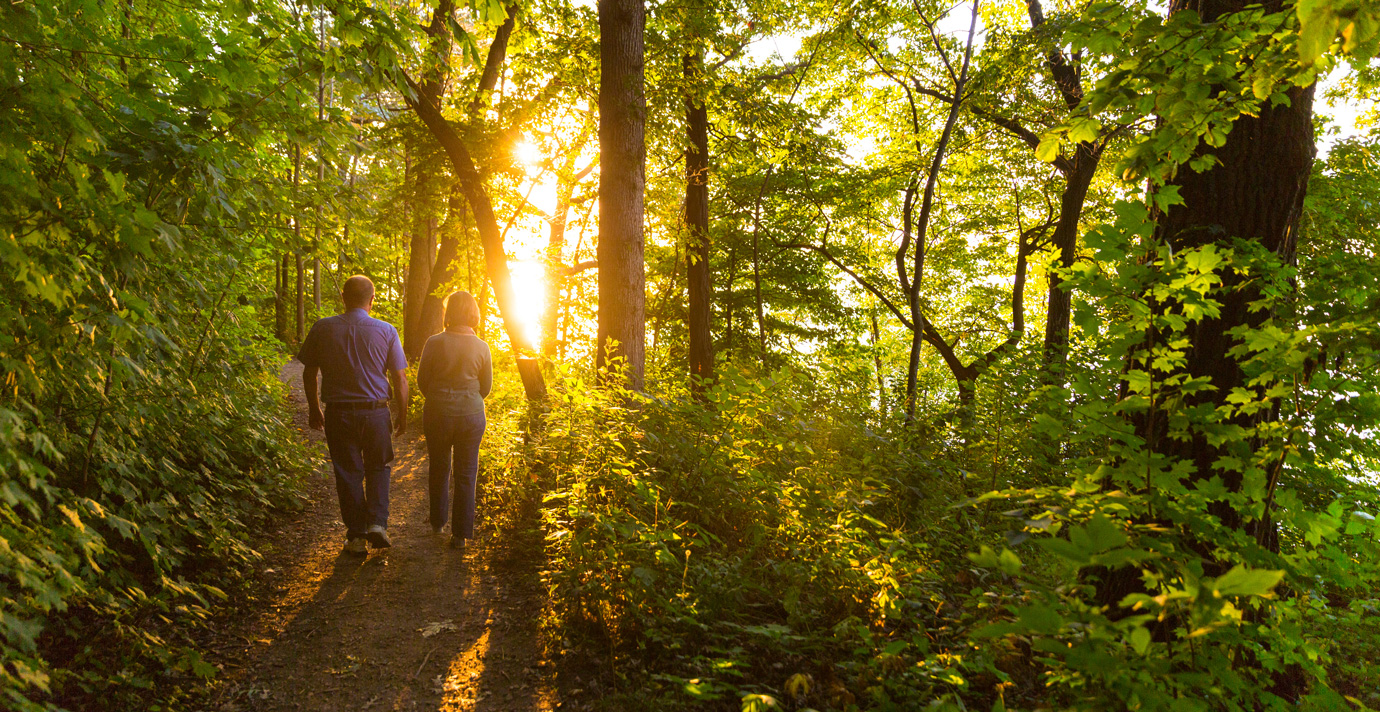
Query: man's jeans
[361,445]
[458,434]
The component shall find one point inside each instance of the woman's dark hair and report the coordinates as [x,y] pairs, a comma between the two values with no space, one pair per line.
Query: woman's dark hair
[462,310]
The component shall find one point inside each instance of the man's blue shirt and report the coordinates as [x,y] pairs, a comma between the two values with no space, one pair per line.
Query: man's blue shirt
[355,353]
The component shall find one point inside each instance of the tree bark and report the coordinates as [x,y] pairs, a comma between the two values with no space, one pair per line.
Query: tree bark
[301,298]
[622,166]
[421,258]
[877,363]
[1254,192]
[729,301]
[697,226]
[556,271]
[301,324]
[1065,241]
[432,320]
[280,298]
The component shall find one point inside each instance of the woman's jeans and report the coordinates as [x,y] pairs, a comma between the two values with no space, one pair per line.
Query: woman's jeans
[460,435]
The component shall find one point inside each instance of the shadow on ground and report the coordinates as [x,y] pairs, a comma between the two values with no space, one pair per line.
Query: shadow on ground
[419,626]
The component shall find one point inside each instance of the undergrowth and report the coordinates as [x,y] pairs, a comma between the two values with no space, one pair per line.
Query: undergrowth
[767,548]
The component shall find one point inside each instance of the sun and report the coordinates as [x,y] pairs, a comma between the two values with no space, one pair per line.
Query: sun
[526,153]
[529,297]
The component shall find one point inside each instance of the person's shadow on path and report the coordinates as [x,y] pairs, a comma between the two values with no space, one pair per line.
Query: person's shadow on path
[418,627]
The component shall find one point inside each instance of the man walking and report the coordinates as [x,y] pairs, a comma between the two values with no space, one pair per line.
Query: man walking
[357,355]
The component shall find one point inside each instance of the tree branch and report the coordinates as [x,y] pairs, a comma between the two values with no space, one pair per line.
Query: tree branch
[579,267]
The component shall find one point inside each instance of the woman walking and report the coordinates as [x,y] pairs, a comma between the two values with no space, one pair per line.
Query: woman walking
[455,375]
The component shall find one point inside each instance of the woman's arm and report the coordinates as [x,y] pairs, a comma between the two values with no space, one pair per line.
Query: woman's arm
[426,367]
[486,374]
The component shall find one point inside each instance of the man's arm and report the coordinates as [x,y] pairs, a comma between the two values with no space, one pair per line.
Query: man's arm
[396,367]
[399,379]
[314,417]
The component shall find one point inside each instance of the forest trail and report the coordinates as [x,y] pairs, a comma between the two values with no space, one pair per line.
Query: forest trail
[415,627]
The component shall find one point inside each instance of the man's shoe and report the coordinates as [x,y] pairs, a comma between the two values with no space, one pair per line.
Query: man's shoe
[457,542]
[357,546]
[437,528]
[378,536]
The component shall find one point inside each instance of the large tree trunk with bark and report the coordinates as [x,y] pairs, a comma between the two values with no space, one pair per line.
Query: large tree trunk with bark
[1255,192]
[697,226]
[622,165]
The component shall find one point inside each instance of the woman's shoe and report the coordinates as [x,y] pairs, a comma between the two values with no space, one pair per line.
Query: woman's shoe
[457,542]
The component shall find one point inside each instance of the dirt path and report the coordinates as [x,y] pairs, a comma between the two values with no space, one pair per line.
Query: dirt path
[416,627]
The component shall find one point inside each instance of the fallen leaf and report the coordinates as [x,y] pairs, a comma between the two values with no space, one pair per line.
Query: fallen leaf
[431,629]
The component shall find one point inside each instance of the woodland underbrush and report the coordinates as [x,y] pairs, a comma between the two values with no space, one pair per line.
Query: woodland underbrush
[765,547]
[128,514]
[761,548]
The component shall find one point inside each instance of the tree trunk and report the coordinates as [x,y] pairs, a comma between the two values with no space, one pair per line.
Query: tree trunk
[301,330]
[280,298]
[697,224]
[757,298]
[922,222]
[729,301]
[421,258]
[555,274]
[301,298]
[1255,192]
[425,100]
[877,363]
[622,166]
[483,308]
[432,320]
[1065,241]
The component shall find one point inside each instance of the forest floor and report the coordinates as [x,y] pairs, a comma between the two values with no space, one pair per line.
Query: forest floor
[416,627]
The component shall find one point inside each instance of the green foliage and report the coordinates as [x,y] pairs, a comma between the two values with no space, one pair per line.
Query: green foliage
[1173,606]
[142,430]
[763,537]
[789,541]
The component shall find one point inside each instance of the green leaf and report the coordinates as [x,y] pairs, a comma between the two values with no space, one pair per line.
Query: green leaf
[1081,130]
[1048,150]
[1140,640]
[1041,619]
[1241,581]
